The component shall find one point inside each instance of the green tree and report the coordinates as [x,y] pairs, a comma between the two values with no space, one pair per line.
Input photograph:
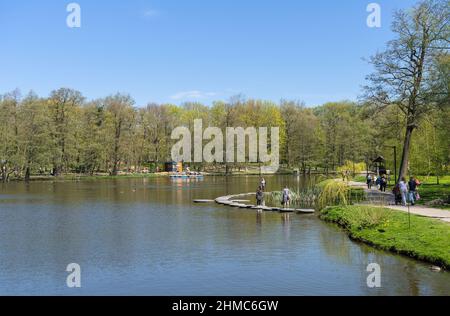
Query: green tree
[10,158]
[34,137]
[63,104]
[403,73]
[120,113]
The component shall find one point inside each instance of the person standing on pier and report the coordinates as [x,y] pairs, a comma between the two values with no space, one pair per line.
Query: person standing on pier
[263,184]
[259,197]
[286,198]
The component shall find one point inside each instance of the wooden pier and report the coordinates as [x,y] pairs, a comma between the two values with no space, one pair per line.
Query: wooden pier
[237,201]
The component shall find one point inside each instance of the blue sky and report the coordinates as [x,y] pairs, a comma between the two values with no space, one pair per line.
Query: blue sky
[193,50]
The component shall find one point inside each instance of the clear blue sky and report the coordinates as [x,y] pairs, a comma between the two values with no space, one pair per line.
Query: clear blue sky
[192,50]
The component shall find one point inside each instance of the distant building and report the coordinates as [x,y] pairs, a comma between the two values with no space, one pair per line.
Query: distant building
[173,166]
[379,164]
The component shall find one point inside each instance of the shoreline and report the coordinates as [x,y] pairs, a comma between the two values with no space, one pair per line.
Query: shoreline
[79,177]
[428,240]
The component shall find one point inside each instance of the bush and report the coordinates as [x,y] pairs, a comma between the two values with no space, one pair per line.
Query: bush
[333,193]
[369,218]
[304,198]
[358,217]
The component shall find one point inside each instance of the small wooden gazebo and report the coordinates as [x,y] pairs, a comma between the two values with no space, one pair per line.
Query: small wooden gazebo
[379,164]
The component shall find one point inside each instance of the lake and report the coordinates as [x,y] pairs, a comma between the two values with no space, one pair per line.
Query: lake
[146,237]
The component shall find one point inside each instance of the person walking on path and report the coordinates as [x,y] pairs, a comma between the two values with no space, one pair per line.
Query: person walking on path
[403,190]
[383,184]
[369,181]
[412,186]
[259,197]
[378,182]
[397,194]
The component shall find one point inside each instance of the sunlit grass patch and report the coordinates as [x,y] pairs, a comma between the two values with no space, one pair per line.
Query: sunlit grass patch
[418,237]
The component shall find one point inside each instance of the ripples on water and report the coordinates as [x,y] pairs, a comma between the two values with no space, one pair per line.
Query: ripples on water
[146,237]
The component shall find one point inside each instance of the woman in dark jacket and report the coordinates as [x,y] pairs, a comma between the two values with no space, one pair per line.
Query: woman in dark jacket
[259,197]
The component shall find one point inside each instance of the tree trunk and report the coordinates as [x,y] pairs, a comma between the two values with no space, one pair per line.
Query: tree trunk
[27,174]
[57,170]
[405,156]
[3,174]
[115,170]
[116,159]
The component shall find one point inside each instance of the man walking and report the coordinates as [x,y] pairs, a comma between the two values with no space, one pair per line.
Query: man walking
[369,181]
[412,186]
[383,184]
[259,197]
[403,190]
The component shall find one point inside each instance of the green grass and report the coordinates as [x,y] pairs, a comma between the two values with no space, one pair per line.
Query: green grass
[361,179]
[431,191]
[433,180]
[426,240]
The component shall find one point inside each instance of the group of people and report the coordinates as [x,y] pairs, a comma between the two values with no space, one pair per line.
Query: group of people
[285,199]
[404,191]
[407,191]
[381,182]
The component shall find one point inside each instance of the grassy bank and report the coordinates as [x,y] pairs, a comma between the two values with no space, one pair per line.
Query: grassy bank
[338,192]
[426,240]
[433,194]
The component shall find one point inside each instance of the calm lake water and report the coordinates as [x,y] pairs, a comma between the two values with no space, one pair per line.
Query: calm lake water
[146,237]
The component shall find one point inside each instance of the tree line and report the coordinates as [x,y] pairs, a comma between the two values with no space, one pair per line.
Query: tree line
[64,133]
[405,104]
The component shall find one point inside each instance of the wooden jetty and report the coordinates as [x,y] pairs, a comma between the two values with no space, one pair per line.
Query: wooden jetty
[305,211]
[237,201]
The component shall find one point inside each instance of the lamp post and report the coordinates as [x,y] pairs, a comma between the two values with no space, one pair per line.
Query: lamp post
[395,161]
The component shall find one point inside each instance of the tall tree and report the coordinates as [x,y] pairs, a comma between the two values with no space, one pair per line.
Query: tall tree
[63,104]
[10,158]
[34,140]
[93,151]
[337,125]
[403,72]
[121,114]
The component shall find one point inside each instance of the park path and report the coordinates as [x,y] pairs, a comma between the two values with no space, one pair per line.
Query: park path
[386,199]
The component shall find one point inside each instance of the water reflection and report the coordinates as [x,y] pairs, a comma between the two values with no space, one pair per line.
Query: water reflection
[286,219]
[145,236]
[259,220]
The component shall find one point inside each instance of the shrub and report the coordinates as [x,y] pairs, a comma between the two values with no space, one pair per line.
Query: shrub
[304,198]
[333,193]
